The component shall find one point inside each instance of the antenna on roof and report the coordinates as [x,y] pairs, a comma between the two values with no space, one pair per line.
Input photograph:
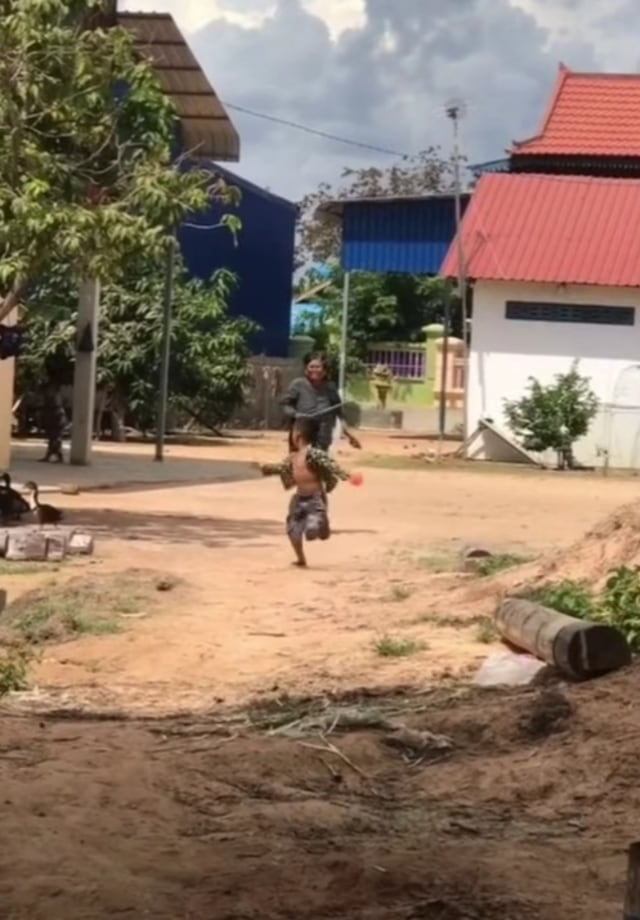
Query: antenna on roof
[455,109]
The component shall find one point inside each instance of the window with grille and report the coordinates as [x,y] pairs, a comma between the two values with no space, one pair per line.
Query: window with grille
[570,313]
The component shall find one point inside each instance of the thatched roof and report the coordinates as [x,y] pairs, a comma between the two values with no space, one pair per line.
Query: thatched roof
[206,129]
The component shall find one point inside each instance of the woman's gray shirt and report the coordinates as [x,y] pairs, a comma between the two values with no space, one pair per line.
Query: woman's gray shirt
[323,402]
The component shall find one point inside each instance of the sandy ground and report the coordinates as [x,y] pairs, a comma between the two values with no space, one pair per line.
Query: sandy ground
[244,623]
[207,817]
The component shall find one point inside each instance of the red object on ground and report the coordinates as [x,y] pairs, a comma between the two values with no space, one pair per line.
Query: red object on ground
[356,479]
[551,229]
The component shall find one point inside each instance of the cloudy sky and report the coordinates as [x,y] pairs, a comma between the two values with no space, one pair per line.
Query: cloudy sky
[381,71]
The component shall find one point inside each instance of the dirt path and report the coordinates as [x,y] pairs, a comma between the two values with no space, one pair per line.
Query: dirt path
[218,815]
[526,819]
[243,622]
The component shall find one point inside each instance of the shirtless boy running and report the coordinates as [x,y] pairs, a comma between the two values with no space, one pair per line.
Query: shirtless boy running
[313,474]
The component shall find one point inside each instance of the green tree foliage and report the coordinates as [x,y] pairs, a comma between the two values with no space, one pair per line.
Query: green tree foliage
[320,239]
[554,416]
[209,371]
[86,135]
[382,308]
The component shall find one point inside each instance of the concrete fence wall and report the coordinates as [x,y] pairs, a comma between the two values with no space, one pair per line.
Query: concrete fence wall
[417,374]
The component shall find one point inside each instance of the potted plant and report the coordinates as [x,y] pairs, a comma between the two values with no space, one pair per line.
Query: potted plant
[382,381]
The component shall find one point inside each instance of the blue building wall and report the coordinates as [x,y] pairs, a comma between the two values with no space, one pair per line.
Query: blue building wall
[262,259]
[409,236]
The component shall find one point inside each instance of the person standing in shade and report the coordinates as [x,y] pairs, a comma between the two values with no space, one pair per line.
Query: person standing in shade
[54,420]
[316,396]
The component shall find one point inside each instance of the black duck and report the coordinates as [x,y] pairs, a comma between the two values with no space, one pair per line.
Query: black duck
[45,514]
[12,505]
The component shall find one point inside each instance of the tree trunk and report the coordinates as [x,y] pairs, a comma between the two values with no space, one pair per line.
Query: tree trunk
[99,418]
[578,648]
[117,424]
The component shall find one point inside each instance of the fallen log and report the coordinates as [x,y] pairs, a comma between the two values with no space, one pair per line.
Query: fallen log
[578,648]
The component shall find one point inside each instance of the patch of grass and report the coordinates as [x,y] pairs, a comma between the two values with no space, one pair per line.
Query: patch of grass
[26,568]
[406,461]
[387,646]
[436,564]
[491,565]
[14,670]
[617,605]
[400,593]
[126,605]
[50,619]
[486,631]
[93,606]
[574,598]
[442,620]
[620,603]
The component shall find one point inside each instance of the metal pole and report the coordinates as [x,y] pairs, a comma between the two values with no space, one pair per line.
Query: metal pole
[165,350]
[342,375]
[454,112]
[443,372]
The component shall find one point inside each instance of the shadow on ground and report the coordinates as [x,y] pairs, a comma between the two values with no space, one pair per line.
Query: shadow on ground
[201,529]
[122,471]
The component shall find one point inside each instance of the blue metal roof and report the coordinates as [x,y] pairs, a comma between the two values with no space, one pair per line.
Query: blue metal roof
[491,166]
[403,235]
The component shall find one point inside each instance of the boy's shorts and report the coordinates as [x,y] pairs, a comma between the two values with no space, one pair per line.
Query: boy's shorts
[308,517]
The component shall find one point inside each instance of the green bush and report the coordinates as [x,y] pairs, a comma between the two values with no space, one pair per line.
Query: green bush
[574,598]
[554,416]
[617,605]
[620,603]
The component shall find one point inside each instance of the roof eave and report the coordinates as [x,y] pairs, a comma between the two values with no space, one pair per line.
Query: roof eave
[334,208]
[216,137]
[518,146]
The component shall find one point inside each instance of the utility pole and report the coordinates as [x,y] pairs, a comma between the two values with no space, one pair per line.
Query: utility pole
[165,348]
[455,111]
[344,332]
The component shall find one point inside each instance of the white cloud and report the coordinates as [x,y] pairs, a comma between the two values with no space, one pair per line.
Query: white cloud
[380,71]
[339,15]
[192,15]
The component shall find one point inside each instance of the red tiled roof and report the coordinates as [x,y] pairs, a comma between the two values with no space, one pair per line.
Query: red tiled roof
[554,229]
[594,114]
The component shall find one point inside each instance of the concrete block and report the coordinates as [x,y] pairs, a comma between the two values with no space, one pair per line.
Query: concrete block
[26,546]
[57,544]
[80,544]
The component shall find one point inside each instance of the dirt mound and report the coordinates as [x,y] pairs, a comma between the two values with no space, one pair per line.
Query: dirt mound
[613,542]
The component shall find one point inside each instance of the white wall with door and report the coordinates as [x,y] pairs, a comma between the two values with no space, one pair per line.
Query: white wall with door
[524,330]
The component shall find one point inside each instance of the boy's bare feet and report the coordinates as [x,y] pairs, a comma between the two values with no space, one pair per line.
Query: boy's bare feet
[297,546]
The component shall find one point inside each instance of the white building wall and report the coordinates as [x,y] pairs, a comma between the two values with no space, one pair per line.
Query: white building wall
[505,353]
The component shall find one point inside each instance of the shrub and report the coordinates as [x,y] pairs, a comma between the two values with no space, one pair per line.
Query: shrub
[554,416]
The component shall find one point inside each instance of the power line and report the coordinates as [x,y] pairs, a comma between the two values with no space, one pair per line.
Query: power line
[326,135]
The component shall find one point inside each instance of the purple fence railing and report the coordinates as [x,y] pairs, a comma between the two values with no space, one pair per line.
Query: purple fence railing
[404,363]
